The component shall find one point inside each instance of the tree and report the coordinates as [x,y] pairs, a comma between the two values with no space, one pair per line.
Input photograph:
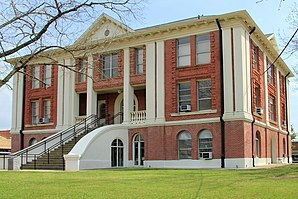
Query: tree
[293,134]
[33,27]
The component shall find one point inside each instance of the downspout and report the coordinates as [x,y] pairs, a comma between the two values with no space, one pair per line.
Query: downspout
[222,122]
[251,108]
[23,112]
[286,90]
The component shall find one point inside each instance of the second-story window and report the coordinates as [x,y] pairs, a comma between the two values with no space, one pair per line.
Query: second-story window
[184,97]
[257,95]
[35,76]
[203,49]
[47,75]
[139,60]
[272,108]
[82,70]
[47,108]
[183,52]
[110,66]
[35,111]
[270,72]
[282,84]
[256,57]
[204,95]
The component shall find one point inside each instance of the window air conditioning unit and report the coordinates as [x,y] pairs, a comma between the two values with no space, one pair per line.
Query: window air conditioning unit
[44,120]
[260,111]
[207,155]
[185,108]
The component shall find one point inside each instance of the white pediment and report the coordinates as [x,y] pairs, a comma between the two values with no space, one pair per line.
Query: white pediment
[272,40]
[105,27]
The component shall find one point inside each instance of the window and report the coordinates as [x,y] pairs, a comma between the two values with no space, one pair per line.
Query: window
[256,58]
[283,114]
[82,104]
[139,150]
[110,66]
[32,141]
[184,94]
[117,148]
[282,84]
[258,145]
[205,145]
[204,95]
[35,111]
[139,61]
[270,73]
[35,76]
[47,75]
[183,53]
[82,70]
[272,108]
[47,109]
[284,147]
[257,95]
[185,145]
[203,49]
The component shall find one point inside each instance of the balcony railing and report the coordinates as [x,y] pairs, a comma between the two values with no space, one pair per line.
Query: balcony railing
[138,117]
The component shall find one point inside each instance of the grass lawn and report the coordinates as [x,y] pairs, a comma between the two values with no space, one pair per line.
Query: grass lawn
[279,182]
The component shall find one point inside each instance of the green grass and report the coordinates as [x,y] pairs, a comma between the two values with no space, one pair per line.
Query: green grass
[280,182]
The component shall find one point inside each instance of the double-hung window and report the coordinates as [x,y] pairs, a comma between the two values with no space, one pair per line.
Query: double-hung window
[47,108]
[272,108]
[184,94]
[255,57]
[257,95]
[35,76]
[47,75]
[139,60]
[204,95]
[183,53]
[270,72]
[82,70]
[203,49]
[35,111]
[110,66]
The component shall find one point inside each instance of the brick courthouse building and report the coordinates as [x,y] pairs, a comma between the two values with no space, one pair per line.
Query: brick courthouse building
[195,93]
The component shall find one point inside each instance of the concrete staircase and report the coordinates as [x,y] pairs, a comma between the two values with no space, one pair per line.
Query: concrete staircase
[54,159]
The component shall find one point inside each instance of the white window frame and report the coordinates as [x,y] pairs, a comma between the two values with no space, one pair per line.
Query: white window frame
[35,112]
[48,75]
[111,68]
[139,60]
[180,96]
[270,73]
[257,95]
[183,52]
[138,144]
[83,70]
[258,145]
[200,99]
[205,144]
[35,76]
[272,108]
[184,138]
[256,57]
[47,108]
[202,40]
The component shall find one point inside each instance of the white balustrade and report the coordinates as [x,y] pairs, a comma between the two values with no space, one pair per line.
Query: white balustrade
[137,117]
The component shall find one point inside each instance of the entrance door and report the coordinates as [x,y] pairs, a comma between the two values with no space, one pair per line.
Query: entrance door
[139,150]
[117,153]
[102,112]
[273,150]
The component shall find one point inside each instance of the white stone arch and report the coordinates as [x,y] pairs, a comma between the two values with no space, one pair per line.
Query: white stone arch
[117,106]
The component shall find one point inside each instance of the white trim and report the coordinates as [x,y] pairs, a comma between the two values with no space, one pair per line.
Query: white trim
[194,113]
[91,94]
[278,99]
[238,163]
[160,82]
[213,163]
[288,103]
[266,90]
[41,131]
[195,121]
[60,96]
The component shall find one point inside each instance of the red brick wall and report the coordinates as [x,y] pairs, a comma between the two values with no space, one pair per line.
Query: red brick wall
[40,94]
[282,100]
[193,73]
[115,82]
[141,95]
[15,142]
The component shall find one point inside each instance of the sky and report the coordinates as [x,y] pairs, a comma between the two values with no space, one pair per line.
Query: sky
[270,15]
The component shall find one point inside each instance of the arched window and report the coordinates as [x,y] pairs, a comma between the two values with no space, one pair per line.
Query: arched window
[32,141]
[258,144]
[117,153]
[139,150]
[184,145]
[205,145]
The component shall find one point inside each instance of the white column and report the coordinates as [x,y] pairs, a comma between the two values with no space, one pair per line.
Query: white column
[160,80]
[69,96]
[288,104]
[241,77]
[228,74]
[20,113]
[150,82]
[278,98]
[91,94]
[266,91]
[128,91]
[248,74]
[14,103]
[60,96]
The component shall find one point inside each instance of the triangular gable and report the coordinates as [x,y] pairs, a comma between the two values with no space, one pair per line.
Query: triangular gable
[104,27]
[272,40]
